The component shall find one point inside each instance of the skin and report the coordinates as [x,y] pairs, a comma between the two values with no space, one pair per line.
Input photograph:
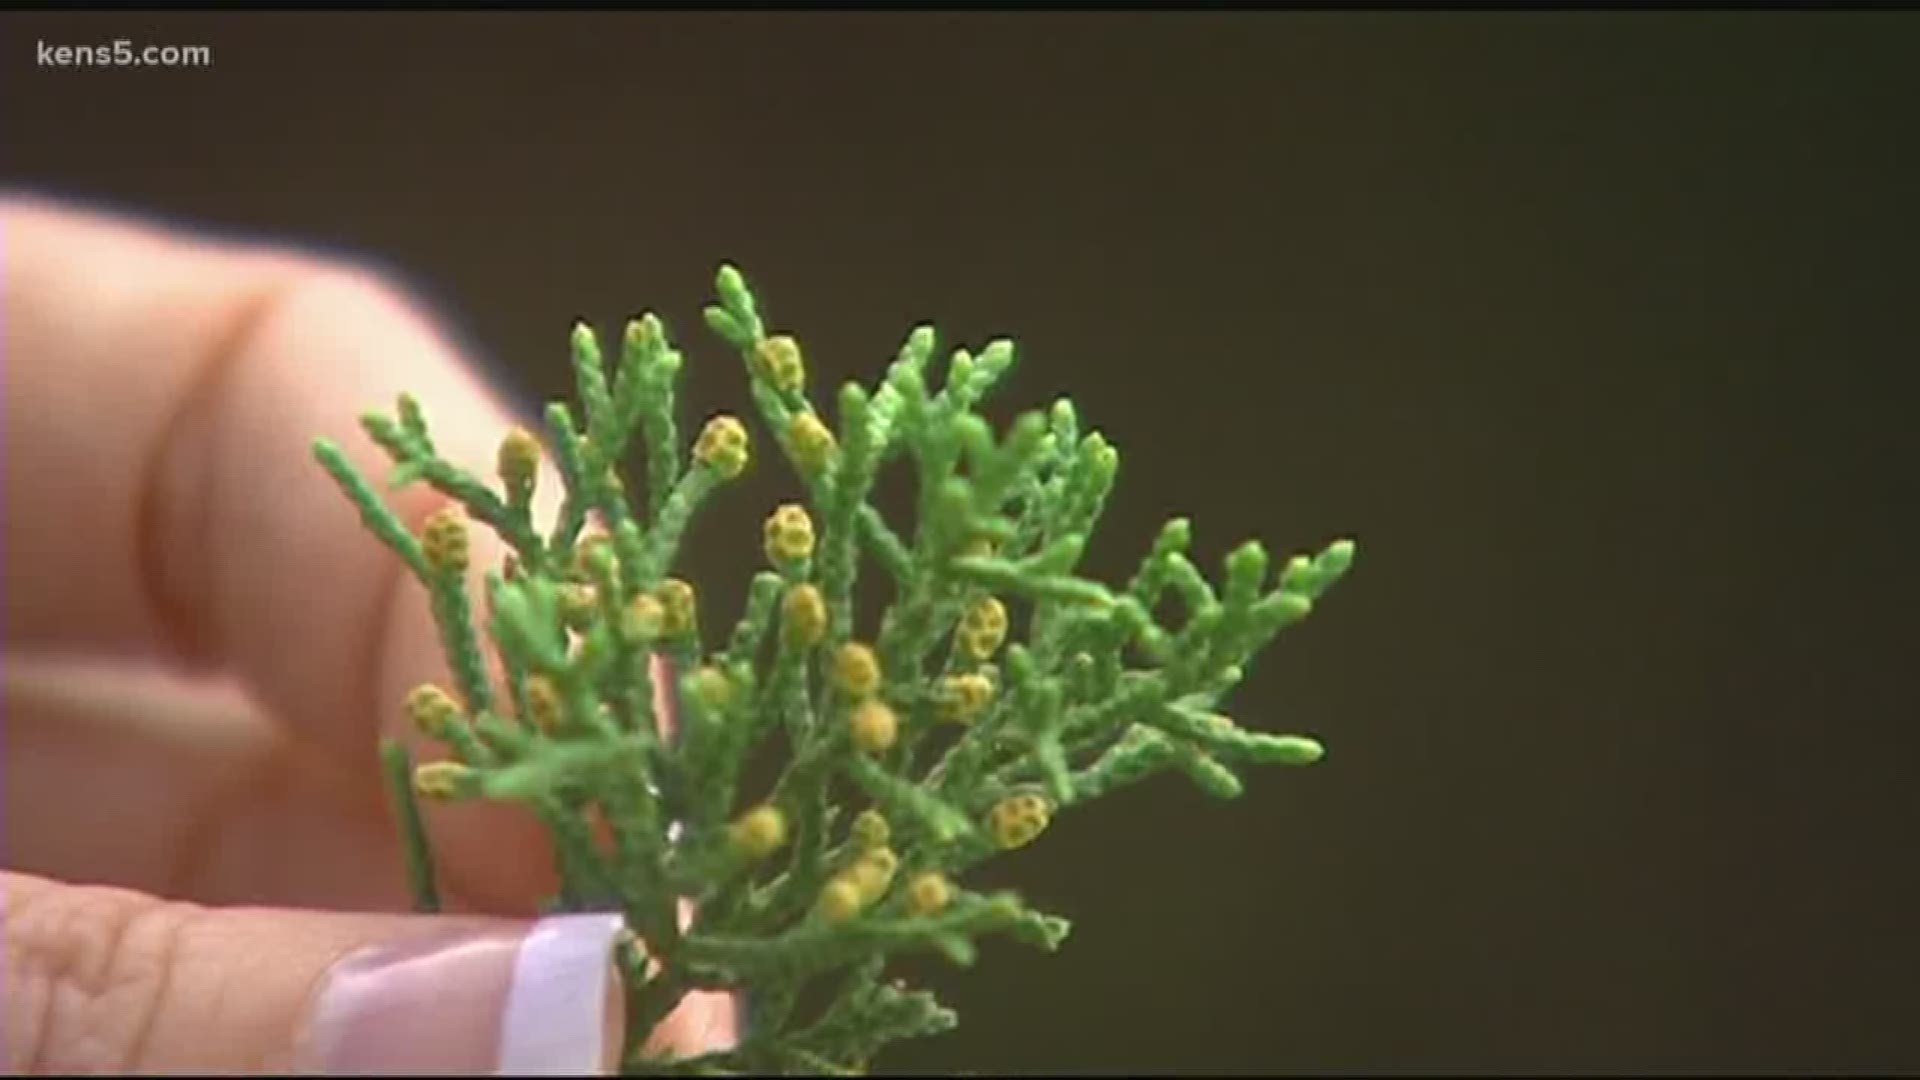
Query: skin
[202,646]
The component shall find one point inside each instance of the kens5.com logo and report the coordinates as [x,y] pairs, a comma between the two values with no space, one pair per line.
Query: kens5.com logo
[122,52]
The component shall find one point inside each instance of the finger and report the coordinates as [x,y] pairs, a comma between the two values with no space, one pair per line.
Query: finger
[161,397]
[104,980]
[188,792]
[121,774]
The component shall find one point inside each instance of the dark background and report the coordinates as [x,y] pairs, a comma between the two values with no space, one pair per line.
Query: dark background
[1593,329]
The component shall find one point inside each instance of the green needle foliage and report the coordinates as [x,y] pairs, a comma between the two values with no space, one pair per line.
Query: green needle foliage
[957,742]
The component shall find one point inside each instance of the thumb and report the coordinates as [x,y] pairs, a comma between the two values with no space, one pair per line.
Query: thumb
[106,980]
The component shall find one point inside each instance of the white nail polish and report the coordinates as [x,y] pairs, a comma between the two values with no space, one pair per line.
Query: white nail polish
[556,1022]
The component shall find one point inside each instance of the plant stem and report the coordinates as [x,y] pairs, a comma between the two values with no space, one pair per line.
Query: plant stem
[398,767]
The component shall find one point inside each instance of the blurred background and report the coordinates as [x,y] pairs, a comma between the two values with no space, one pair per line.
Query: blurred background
[1593,329]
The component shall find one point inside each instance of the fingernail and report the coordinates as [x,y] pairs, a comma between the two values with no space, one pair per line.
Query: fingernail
[539,1000]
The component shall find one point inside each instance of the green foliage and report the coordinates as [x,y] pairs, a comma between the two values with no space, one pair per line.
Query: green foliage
[961,743]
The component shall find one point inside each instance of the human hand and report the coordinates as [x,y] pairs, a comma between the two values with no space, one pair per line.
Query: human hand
[162,511]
